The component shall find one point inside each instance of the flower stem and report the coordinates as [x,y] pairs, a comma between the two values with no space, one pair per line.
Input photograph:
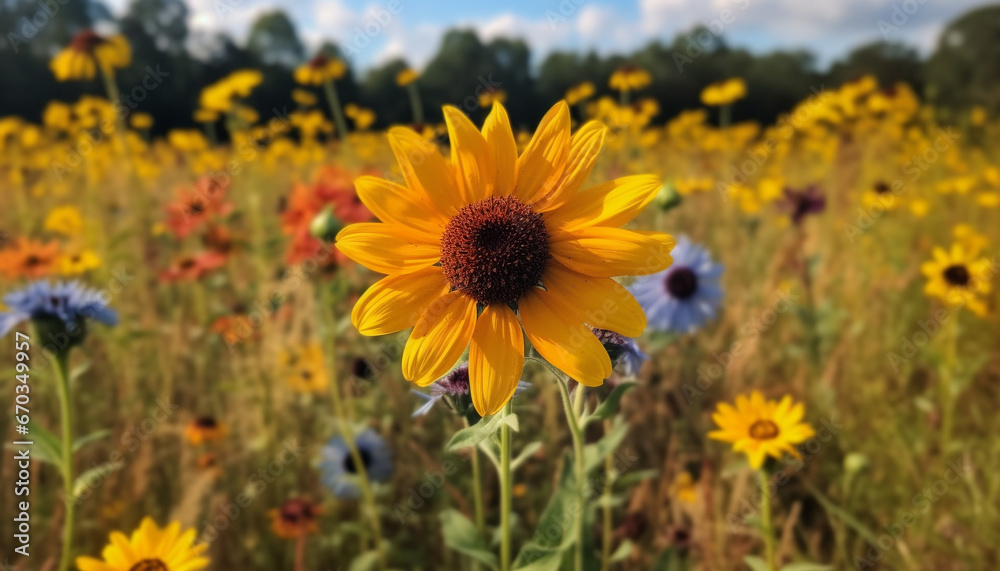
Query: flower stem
[505,491]
[62,369]
[338,112]
[609,475]
[418,110]
[765,518]
[947,398]
[576,431]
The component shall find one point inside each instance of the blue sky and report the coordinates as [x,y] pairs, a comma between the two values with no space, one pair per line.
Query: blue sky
[383,29]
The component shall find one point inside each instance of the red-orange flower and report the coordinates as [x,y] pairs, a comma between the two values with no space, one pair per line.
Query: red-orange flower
[296,518]
[28,258]
[203,201]
[192,267]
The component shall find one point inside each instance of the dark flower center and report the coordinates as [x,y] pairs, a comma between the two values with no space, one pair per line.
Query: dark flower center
[205,422]
[32,261]
[319,61]
[366,460]
[361,369]
[86,41]
[307,375]
[187,263]
[296,511]
[682,283]
[196,207]
[881,188]
[957,275]
[495,250]
[764,429]
[149,565]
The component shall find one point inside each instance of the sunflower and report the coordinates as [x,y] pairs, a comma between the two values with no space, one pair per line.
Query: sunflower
[958,277]
[28,258]
[467,244]
[319,70]
[86,52]
[760,428]
[150,548]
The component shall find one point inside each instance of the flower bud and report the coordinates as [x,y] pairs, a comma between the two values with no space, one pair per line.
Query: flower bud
[668,197]
[325,225]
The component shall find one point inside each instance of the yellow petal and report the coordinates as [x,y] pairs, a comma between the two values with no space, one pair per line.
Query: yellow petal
[439,338]
[608,252]
[613,203]
[541,166]
[398,204]
[424,168]
[606,304]
[557,332]
[585,146]
[496,358]
[500,138]
[387,248]
[396,302]
[471,156]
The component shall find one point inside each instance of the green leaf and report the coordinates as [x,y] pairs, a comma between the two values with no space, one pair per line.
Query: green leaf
[609,407]
[755,563]
[92,477]
[365,562]
[806,566]
[525,453]
[92,437]
[473,435]
[834,509]
[623,551]
[544,561]
[48,448]
[554,530]
[631,478]
[594,454]
[461,535]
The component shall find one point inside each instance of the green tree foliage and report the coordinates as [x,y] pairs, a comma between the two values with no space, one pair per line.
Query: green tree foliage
[273,40]
[962,71]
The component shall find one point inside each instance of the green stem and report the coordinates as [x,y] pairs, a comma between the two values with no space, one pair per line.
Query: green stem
[338,112]
[765,519]
[418,110]
[340,412]
[725,115]
[947,375]
[477,496]
[609,475]
[576,431]
[62,369]
[505,491]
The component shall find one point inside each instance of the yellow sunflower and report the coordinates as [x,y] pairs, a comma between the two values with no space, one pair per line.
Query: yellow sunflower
[491,242]
[87,52]
[760,428]
[150,548]
[958,277]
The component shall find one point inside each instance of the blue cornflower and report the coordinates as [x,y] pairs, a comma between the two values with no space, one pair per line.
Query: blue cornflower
[337,467]
[56,308]
[685,295]
[626,356]
[456,385]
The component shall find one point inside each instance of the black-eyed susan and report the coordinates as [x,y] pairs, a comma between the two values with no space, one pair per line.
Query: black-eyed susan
[304,97]
[406,77]
[959,277]
[150,548]
[28,258]
[87,52]
[204,429]
[724,92]
[303,368]
[759,428]
[319,70]
[683,488]
[491,242]
[78,262]
[579,93]
[629,78]
[141,120]
[297,517]
[65,220]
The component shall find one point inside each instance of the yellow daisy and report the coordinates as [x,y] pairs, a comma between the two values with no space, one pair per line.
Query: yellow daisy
[65,220]
[486,244]
[629,78]
[760,428]
[76,263]
[958,277]
[150,548]
[320,70]
[724,92]
[406,77]
[683,488]
[87,52]
[579,92]
[304,369]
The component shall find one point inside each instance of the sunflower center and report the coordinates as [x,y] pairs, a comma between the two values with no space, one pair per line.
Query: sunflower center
[682,283]
[149,565]
[495,250]
[881,188]
[957,275]
[764,429]
[366,460]
[86,41]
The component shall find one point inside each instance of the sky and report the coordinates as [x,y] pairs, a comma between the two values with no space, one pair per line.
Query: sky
[375,31]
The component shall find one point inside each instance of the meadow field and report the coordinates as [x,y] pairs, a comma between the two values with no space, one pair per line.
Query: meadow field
[762,346]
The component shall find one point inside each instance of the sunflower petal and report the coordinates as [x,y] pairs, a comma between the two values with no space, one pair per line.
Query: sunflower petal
[471,155]
[424,168]
[439,338]
[387,248]
[500,138]
[608,252]
[613,203]
[540,167]
[557,332]
[607,304]
[396,302]
[496,358]
[585,146]
[397,204]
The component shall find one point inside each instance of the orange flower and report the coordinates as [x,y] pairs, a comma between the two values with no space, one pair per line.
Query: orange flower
[296,518]
[193,267]
[204,429]
[235,329]
[195,205]
[28,258]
